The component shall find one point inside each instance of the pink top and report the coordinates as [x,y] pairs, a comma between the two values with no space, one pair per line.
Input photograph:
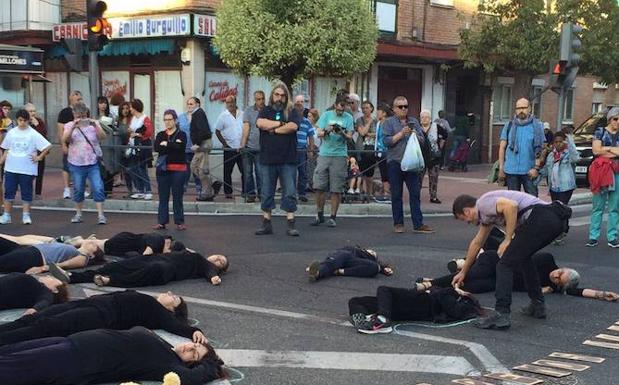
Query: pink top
[80,152]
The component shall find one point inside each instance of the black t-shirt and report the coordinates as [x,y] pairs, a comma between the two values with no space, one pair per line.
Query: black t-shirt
[127,244]
[278,148]
[66,115]
[18,290]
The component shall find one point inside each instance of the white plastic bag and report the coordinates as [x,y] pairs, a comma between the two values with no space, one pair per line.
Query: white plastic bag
[413,158]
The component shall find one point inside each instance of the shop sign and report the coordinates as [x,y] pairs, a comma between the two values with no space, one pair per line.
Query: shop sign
[150,26]
[204,25]
[21,61]
[220,90]
[70,31]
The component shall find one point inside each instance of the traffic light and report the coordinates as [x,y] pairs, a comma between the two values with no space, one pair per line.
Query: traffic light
[564,70]
[98,25]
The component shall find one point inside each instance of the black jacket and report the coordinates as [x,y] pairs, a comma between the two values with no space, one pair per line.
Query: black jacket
[199,129]
[19,290]
[175,149]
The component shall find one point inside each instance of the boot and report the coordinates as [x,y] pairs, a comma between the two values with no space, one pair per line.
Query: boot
[291,230]
[266,228]
[535,310]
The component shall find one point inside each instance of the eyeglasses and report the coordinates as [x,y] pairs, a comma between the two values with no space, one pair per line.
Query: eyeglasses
[168,120]
[522,108]
[402,107]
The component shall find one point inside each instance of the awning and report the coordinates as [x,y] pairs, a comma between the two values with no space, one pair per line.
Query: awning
[20,60]
[139,47]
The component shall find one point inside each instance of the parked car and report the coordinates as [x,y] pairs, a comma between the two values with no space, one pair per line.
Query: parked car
[583,138]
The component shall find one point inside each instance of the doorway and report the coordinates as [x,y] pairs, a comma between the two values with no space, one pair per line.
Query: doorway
[396,81]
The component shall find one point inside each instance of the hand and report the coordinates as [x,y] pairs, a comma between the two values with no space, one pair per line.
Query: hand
[503,246]
[407,131]
[29,311]
[199,338]
[216,280]
[610,296]
[35,158]
[37,270]
[164,143]
[34,122]
[533,173]
[195,148]
[458,279]
[501,174]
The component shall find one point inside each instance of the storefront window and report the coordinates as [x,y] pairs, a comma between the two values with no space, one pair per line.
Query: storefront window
[220,85]
[169,95]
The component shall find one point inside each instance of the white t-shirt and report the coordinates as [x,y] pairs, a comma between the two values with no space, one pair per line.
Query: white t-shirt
[231,127]
[21,144]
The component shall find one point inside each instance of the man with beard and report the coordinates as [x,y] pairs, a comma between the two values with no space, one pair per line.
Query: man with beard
[278,123]
[522,140]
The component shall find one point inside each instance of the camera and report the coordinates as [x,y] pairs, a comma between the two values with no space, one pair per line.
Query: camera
[334,128]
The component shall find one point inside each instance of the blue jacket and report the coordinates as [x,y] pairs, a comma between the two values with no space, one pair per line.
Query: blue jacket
[524,142]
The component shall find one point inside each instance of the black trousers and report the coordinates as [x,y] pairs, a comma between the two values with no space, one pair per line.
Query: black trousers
[541,227]
[232,158]
[43,361]
[563,197]
[481,277]
[353,266]
[395,304]
[16,258]
[55,321]
[129,273]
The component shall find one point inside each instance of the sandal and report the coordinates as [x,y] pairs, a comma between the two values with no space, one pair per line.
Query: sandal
[159,227]
[181,227]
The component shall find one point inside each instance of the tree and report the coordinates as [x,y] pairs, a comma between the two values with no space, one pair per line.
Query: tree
[521,37]
[293,40]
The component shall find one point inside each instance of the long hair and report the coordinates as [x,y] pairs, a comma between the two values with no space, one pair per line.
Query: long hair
[126,119]
[287,103]
[63,294]
[103,99]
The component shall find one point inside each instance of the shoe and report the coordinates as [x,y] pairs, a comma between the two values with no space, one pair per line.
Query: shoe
[5,219]
[435,200]
[59,273]
[350,191]
[137,196]
[357,319]
[494,320]
[313,272]
[159,226]
[66,193]
[375,325]
[291,230]
[86,194]
[317,222]
[216,187]
[267,227]
[181,227]
[147,196]
[331,222]
[25,219]
[614,243]
[250,200]
[455,265]
[425,229]
[535,310]
[204,199]
[592,243]
[77,218]
[399,229]
[229,196]
[101,220]
[303,198]
[37,197]
[357,191]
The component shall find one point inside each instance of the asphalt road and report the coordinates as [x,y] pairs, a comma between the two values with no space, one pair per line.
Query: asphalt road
[267,308]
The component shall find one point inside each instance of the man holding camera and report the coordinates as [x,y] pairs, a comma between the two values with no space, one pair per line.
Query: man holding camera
[335,128]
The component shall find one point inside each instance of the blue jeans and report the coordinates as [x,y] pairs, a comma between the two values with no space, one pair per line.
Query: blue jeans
[301,172]
[139,175]
[397,178]
[79,175]
[287,174]
[14,180]
[170,181]
[514,182]
[251,167]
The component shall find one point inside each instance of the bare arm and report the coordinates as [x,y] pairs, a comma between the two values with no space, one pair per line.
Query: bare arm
[60,131]
[266,124]
[245,136]
[100,131]
[221,138]
[502,147]
[286,129]
[74,263]
[604,151]
[599,294]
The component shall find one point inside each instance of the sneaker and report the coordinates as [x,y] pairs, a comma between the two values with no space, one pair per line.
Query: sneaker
[614,243]
[302,198]
[313,271]
[399,229]
[59,273]
[375,325]
[202,198]
[455,265]
[137,196]
[25,219]
[436,201]
[592,243]
[331,222]
[357,319]
[317,222]
[101,220]
[535,310]
[148,196]
[77,218]
[5,219]
[86,194]
[357,191]
[66,193]
[425,229]
[493,320]
[350,191]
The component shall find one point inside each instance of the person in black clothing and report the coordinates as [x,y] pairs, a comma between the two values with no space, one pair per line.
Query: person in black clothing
[150,270]
[127,244]
[349,262]
[553,279]
[98,356]
[371,315]
[171,171]
[23,291]
[119,310]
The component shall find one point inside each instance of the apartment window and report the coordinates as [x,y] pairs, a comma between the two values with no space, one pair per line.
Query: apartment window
[536,106]
[502,99]
[386,12]
[568,106]
[596,107]
[444,3]
[17,15]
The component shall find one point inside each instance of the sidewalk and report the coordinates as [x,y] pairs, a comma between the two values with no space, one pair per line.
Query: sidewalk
[451,184]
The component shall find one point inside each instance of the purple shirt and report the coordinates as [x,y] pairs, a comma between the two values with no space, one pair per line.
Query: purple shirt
[486,206]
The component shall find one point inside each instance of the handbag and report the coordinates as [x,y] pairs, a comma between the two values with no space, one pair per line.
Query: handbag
[413,157]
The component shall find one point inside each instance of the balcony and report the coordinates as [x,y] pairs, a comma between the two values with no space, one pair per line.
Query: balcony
[28,15]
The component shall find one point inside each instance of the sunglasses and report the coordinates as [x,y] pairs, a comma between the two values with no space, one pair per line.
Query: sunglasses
[402,107]
[615,119]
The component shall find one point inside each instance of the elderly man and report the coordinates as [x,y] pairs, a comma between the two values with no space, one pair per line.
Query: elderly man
[229,130]
[530,224]
[522,140]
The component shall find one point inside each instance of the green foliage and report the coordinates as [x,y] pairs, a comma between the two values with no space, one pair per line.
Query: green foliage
[520,36]
[293,39]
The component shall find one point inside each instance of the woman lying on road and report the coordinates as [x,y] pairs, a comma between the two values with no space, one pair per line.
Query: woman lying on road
[101,355]
[126,244]
[119,310]
[553,279]
[150,270]
[349,262]
[23,291]
[15,256]
[371,315]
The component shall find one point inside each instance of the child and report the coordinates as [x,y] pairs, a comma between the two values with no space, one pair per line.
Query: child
[20,161]
[353,176]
